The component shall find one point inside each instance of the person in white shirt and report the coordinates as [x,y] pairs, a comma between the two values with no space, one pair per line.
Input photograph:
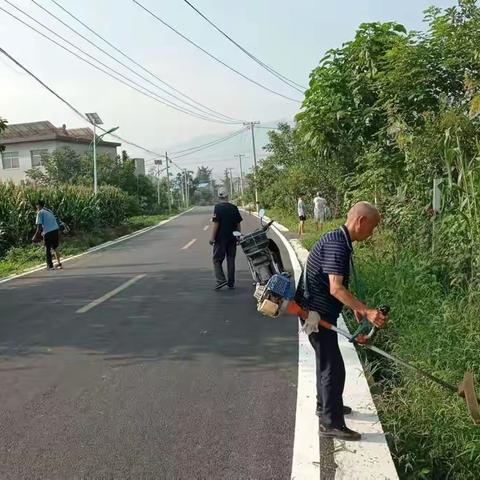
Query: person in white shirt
[319,208]
[302,215]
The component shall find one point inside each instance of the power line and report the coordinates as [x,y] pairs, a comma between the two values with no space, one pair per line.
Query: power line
[150,93]
[211,143]
[216,113]
[141,88]
[213,56]
[204,147]
[274,72]
[69,105]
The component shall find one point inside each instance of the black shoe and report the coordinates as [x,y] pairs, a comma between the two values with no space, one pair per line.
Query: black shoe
[346,411]
[231,287]
[220,285]
[342,433]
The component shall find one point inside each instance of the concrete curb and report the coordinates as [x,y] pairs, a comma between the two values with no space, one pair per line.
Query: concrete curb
[94,249]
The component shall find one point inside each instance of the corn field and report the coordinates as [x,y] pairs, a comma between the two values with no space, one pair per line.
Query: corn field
[74,205]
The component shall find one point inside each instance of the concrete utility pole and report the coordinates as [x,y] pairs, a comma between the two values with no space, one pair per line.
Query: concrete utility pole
[158,163]
[169,194]
[185,181]
[240,155]
[252,128]
[231,182]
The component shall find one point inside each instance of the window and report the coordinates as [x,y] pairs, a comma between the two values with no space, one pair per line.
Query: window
[10,160]
[37,157]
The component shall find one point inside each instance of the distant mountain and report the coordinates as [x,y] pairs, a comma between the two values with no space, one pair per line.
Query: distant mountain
[221,155]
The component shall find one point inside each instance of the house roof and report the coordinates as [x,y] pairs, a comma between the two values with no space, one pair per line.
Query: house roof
[38,131]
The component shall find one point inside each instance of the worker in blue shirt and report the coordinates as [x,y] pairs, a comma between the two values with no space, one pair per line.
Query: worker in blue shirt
[48,228]
[327,274]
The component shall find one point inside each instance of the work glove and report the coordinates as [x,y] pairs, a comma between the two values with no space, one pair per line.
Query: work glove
[311,323]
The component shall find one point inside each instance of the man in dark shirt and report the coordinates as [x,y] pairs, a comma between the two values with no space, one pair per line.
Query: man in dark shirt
[226,219]
[327,275]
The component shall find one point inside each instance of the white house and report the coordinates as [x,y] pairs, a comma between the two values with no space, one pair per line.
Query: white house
[25,143]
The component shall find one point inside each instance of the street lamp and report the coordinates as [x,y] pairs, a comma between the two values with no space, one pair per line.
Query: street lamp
[95,120]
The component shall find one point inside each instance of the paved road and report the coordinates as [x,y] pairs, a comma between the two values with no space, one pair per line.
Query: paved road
[168,379]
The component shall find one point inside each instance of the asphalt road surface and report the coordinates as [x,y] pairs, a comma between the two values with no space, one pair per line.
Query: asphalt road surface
[164,379]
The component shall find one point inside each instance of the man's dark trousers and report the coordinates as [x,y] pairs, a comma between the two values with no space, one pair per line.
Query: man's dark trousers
[220,251]
[51,241]
[330,375]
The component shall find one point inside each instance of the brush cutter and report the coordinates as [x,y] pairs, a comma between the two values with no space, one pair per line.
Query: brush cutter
[364,335]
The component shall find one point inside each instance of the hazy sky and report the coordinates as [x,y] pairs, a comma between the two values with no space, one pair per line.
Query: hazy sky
[289,35]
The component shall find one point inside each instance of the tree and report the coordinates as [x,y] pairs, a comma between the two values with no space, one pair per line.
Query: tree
[62,166]
[3,126]
[204,174]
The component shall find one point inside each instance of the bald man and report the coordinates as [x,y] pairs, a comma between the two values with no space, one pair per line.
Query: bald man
[327,275]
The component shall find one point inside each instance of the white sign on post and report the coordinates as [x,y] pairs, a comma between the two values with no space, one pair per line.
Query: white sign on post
[437,195]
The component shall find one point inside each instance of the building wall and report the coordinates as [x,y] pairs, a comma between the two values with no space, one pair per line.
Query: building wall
[25,159]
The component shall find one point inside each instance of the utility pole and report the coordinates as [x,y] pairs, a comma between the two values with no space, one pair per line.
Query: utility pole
[169,193]
[231,182]
[212,184]
[185,183]
[240,155]
[252,128]
[158,163]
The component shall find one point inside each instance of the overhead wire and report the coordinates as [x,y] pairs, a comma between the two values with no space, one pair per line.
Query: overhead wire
[193,151]
[274,72]
[74,109]
[211,143]
[211,55]
[141,89]
[199,106]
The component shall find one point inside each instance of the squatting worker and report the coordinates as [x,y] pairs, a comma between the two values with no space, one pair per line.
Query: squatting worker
[226,219]
[327,275]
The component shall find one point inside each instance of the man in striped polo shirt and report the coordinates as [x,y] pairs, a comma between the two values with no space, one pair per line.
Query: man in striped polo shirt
[327,275]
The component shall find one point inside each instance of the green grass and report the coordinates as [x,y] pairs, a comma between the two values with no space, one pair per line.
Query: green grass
[22,258]
[436,327]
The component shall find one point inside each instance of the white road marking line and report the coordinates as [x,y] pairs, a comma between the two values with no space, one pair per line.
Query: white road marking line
[189,244]
[205,228]
[110,294]
[95,249]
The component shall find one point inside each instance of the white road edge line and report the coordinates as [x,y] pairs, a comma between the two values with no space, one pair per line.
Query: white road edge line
[306,443]
[189,244]
[96,248]
[110,294]
[205,228]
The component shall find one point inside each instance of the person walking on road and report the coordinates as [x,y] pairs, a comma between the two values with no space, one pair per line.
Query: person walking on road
[326,276]
[302,215]
[48,228]
[226,219]
[319,211]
